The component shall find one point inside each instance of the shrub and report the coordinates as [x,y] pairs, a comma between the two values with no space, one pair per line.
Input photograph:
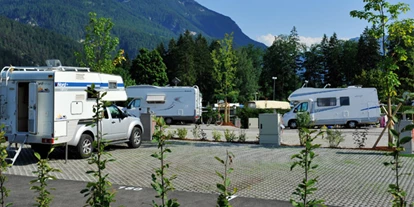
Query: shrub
[171,134]
[302,120]
[182,133]
[229,135]
[43,175]
[160,182]
[334,137]
[196,131]
[360,137]
[216,135]
[224,187]
[242,135]
[4,192]
[304,160]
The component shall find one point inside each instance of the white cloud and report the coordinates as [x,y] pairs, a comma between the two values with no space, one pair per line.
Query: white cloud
[269,38]
[266,39]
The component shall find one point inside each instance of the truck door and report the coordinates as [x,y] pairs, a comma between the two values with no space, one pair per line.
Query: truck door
[32,121]
[118,123]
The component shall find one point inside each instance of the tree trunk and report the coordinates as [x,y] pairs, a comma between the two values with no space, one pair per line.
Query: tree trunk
[390,139]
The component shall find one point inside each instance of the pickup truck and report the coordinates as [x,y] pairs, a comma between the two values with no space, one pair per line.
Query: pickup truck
[116,127]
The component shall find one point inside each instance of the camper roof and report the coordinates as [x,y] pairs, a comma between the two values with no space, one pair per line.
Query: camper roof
[308,92]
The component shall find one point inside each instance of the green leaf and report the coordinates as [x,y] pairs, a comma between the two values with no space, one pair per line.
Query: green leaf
[405,140]
[221,188]
[220,160]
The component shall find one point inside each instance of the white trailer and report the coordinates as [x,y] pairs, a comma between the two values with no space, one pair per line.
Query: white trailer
[350,106]
[45,106]
[174,104]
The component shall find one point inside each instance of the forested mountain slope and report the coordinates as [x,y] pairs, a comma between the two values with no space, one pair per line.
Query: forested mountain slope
[138,23]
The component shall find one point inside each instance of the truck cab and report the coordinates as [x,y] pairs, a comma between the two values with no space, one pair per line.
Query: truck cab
[116,127]
[289,118]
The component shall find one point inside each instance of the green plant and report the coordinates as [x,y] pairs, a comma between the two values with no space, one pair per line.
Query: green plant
[230,136]
[395,189]
[196,131]
[182,133]
[170,134]
[161,184]
[360,137]
[4,192]
[99,191]
[303,120]
[203,135]
[223,188]
[334,137]
[242,135]
[216,135]
[304,159]
[43,175]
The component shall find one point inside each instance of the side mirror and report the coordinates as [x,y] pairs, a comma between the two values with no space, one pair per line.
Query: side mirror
[295,110]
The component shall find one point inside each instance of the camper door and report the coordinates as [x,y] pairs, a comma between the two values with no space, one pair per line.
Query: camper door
[32,108]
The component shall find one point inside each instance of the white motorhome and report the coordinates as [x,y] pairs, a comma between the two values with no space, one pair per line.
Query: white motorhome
[45,106]
[173,103]
[350,106]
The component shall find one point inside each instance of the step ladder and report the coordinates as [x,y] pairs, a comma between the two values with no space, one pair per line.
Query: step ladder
[14,151]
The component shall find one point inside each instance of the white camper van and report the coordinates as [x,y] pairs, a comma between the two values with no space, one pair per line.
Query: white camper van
[44,106]
[174,104]
[350,106]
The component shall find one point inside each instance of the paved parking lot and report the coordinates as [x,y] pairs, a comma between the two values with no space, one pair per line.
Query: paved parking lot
[346,177]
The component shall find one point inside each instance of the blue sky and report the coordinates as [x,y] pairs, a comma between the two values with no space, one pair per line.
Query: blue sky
[261,20]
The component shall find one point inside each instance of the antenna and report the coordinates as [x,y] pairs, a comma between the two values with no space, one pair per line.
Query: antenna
[305,84]
[327,85]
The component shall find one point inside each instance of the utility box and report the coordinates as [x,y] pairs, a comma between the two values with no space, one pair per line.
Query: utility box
[149,126]
[408,147]
[253,123]
[269,129]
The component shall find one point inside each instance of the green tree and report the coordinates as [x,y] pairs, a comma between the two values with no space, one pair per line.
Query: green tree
[224,64]
[313,65]
[203,64]
[247,81]
[334,73]
[99,46]
[185,69]
[281,60]
[384,17]
[148,68]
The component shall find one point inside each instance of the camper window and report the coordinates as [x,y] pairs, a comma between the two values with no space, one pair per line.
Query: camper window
[112,85]
[302,107]
[155,99]
[322,102]
[344,101]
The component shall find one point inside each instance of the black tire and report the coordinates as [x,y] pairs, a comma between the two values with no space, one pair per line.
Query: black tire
[85,146]
[352,124]
[293,124]
[168,121]
[41,149]
[135,139]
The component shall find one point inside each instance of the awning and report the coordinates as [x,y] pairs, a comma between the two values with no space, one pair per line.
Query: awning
[269,104]
[156,98]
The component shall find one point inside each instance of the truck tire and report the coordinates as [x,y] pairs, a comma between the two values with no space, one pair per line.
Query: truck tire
[41,149]
[352,124]
[85,146]
[135,138]
[293,124]
[168,121]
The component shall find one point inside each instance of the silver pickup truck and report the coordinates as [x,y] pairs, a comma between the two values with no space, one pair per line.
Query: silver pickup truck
[116,127]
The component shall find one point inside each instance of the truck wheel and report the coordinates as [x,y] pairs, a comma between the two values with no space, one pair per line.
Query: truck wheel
[168,121]
[42,149]
[293,124]
[136,138]
[85,146]
[352,124]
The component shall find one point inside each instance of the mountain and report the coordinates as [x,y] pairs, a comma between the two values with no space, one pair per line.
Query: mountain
[22,44]
[137,23]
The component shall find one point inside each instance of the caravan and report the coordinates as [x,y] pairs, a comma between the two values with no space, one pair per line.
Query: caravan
[174,104]
[45,106]
[350,106]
